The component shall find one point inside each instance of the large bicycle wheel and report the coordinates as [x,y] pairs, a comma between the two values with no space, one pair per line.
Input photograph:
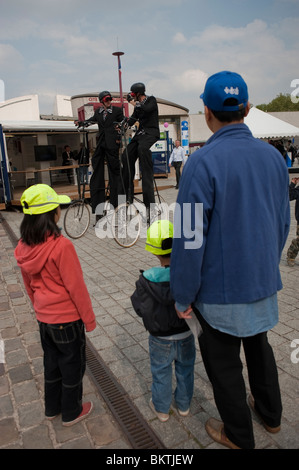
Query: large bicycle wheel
[126,225]
[76,219]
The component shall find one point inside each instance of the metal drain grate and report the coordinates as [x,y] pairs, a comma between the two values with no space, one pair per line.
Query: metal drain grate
[138,432]
[130,420]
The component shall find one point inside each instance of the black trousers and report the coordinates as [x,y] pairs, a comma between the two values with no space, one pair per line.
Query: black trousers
[97,180]
[221,356]
[139,147]
[64,367]
[69,175]
[177,166]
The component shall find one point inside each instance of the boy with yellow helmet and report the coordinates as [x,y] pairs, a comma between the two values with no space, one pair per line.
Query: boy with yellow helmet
[170,339]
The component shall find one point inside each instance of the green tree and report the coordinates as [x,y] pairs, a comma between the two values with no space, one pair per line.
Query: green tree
[280,103]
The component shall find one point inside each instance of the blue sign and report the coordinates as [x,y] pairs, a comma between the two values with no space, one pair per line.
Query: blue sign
[185,136]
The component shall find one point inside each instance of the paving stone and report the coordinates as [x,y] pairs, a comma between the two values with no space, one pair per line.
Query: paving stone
[4,384]
[8,432]
[6,406]
[31,414]
[81,443]
[20,373]
[37,438]
[25,392]
[15,358]
[102,430]
[64,434]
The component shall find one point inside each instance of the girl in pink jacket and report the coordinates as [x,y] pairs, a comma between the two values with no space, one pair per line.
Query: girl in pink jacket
[54,281]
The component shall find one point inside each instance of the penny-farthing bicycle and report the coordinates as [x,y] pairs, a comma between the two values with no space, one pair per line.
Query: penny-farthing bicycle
[125,222]
[128,218]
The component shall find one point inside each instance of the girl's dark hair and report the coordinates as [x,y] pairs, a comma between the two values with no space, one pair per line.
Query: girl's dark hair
[36,228]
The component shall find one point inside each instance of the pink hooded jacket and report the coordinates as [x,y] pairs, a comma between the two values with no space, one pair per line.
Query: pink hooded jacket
[54,281]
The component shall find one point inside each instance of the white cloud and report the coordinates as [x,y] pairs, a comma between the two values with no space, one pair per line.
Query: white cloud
[10,58]
[179,38]
[266,59]
[192,80]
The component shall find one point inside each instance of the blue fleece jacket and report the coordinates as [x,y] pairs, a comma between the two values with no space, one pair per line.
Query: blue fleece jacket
[242,184]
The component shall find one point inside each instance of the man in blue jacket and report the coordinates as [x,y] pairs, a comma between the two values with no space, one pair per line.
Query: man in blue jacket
[231,224]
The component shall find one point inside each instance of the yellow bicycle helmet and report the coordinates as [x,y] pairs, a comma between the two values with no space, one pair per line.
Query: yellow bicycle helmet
[159,237]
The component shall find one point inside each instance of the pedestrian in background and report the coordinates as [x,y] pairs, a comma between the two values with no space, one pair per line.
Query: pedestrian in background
[294,247]
[67,160]
[176,159]
[83,161]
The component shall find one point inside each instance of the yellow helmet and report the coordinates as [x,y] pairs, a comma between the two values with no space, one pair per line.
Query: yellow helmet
[41,198]
[159,237]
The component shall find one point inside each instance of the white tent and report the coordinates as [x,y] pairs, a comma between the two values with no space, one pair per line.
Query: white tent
[266,126]
[261,124]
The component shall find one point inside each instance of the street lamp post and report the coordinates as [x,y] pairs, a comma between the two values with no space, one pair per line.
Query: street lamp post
[118,54]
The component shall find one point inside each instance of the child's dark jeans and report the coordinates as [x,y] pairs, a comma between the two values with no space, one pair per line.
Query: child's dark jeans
[64,367]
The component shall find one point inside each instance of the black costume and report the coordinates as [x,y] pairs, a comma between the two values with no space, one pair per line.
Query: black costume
[107,148]
[146,113]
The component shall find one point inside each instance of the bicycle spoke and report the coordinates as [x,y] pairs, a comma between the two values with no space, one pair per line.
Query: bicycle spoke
[126,225]
[76,219]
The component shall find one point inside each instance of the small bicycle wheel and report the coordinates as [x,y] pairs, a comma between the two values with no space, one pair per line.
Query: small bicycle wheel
[126,225]
[76,219]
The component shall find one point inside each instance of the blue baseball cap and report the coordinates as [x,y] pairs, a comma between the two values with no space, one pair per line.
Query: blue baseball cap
[221,86]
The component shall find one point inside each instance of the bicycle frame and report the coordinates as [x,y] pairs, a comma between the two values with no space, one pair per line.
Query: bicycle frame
[81,194]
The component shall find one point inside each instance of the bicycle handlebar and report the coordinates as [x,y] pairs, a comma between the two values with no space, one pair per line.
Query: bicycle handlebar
[82,124]
[121,125]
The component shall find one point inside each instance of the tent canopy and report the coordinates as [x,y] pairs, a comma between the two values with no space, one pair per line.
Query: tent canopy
[266,126]
[261,124]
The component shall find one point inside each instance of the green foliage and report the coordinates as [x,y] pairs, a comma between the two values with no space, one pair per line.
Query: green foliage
[280,103]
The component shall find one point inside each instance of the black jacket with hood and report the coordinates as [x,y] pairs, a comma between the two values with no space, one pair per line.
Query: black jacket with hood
[152,302]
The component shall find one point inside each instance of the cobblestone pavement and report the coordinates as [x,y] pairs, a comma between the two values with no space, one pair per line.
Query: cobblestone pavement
[110,272]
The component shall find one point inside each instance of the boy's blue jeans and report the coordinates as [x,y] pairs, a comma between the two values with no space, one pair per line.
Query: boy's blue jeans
[162,354]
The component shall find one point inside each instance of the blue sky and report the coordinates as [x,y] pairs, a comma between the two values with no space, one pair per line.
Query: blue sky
[65,46]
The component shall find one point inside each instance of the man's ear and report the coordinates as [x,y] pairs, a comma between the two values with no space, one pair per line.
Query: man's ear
[209,116]
[207,113]
[247,109]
